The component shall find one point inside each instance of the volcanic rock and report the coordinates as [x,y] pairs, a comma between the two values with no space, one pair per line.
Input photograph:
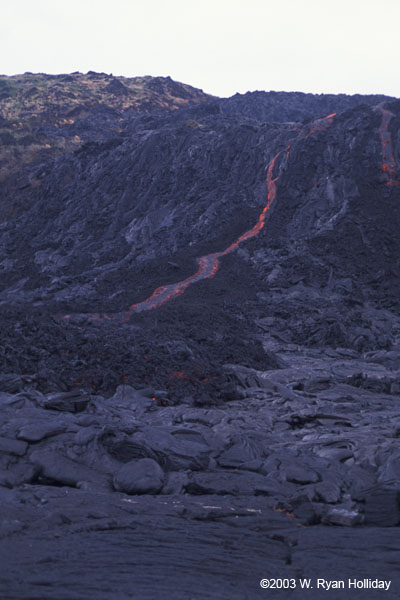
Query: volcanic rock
[382,507]
[10,383]
[14,447]
[343,516]
[55,467]
[38,431]
[199,362]
[231,482]
[142,476]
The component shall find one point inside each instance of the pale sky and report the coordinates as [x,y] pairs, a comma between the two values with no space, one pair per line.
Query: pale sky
[221,46]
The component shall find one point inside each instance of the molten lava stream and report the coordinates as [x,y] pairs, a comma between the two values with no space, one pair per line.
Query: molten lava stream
[208,265]
[389,164]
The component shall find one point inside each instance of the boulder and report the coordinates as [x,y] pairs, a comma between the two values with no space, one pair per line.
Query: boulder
[142,476]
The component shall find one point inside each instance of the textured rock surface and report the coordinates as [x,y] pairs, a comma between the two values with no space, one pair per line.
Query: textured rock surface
[286,506]
[142,476]
[249,427]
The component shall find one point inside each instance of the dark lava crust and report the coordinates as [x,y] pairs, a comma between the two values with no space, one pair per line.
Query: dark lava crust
[249,427]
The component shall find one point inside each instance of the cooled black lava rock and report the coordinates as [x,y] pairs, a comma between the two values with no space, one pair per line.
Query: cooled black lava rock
[248,425]
[142,476]
[10,382]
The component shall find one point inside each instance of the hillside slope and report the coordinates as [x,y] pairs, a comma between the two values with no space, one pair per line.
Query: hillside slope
[179,186]
[42,116]
[200,351]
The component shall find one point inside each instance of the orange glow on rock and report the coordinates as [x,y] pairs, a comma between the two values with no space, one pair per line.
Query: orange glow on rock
[388,165]
[178,374]
[208,265]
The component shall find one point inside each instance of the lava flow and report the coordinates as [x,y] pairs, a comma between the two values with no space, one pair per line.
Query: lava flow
[208,265]
[389,164]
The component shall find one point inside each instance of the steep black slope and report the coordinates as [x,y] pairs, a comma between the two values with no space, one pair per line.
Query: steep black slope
[115,221]
[170,187]
[177,188]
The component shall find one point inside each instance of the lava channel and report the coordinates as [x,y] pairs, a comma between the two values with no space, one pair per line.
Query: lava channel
[208,265]
[389,164]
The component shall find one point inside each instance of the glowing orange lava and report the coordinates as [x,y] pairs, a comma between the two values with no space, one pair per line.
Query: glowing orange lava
[208,265]
[320,124]
[389,165]
[180,374]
